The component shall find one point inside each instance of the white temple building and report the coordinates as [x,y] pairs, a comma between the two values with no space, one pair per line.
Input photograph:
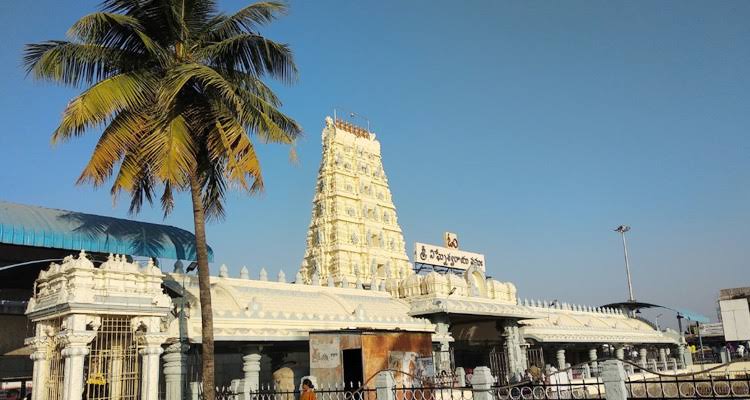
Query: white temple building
[94,323]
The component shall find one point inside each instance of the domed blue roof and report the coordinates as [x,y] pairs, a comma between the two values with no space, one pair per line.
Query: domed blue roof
[26,225]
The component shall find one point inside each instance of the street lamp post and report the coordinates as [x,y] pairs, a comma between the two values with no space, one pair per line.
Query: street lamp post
[622,229]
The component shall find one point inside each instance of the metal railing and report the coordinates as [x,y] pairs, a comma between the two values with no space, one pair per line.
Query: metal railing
[432,393]
[719,382]
[551,390]
[736,386]
[332,393]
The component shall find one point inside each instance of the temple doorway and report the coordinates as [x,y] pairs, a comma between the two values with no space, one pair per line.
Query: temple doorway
[353,368]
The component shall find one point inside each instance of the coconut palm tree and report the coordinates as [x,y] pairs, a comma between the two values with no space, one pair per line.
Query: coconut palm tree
[176,88]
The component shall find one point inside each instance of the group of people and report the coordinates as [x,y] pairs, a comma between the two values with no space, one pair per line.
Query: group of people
[532,374]
[739,350]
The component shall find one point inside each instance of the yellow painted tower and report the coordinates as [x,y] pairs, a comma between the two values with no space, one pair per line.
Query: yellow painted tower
[354,233]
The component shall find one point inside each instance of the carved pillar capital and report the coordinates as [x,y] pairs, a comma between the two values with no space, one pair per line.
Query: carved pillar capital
[75,342]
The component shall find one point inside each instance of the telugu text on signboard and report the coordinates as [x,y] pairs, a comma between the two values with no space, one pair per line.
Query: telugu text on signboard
[445,257]
[325,352]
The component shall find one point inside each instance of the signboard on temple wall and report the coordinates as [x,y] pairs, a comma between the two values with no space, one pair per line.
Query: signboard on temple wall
[447,257]
[325,351]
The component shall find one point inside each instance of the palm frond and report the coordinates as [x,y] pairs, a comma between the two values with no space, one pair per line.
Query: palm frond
[167,199]
[253,54]
[124,133]
[214,189]
[116,31]
[247,19]
[96,105]
[265,120]
[73,64]
[206,81]
[134,177]
[170,150]
[194,14]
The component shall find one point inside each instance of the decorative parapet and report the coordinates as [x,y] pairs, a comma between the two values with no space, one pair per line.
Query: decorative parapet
[116,287]
[265,309]
[252,309]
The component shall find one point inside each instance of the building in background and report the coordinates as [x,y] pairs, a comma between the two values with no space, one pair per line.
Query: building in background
[735,314]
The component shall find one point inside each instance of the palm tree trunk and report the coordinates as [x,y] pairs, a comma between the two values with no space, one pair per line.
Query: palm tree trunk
[204,285]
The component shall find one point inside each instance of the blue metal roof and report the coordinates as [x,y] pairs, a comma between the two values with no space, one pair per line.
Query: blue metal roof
[46,227]
[693,316]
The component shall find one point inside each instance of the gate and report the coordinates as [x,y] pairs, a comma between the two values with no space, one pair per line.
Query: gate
[535,357]
[112,367]
[499,364]
[56,370]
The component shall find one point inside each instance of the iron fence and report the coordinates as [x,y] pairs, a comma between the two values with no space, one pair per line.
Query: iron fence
[729,386]
[585,389]
[229,393]
[432,393]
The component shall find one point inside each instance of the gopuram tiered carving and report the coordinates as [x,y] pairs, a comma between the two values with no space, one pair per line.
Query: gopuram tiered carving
[354,233]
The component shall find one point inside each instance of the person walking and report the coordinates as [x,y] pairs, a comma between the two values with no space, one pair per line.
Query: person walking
[308,390]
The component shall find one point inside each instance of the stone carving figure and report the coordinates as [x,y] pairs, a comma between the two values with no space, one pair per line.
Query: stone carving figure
[283,382]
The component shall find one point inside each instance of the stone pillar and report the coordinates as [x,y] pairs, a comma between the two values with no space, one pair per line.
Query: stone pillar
[643,361]
[683,356]
[175,370]
[481,384]
[195,389]
[150,371]
[613,377]
[514,348]
[150,338]
[620,352]
[592,358]
[74,354]
[251,368]
[444,359]
[41,364]
[560,359]
[460,376]
[384,384]
[442,328]
[586,371]
[663,358]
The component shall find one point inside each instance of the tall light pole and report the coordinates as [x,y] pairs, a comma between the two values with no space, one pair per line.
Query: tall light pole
[622,229]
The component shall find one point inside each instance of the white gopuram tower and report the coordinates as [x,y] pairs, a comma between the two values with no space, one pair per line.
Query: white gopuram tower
[354,233]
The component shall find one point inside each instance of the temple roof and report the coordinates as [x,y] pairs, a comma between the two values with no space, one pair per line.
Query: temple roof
[262,310]
[26,225]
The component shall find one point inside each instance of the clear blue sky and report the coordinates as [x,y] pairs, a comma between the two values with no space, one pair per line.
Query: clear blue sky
[530,128]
